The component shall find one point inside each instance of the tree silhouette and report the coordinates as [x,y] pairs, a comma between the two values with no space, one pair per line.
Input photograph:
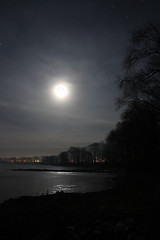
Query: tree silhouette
[141,65]
[135,140]
[63,157]
[97,150]
[74,154]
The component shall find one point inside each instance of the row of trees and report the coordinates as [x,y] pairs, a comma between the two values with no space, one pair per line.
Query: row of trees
[95,152]
[135,140]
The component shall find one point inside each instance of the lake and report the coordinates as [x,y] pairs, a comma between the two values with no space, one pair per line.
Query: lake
[15,183]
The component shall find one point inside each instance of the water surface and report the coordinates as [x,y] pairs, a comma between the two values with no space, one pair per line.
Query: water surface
[14,184]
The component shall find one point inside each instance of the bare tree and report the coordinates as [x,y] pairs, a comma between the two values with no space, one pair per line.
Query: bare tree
[141,65]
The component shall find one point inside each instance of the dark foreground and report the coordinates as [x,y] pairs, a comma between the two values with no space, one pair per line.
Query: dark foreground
[130,211]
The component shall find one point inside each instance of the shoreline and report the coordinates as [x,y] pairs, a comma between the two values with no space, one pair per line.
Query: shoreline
[130,210]
[88,174]
[62,170]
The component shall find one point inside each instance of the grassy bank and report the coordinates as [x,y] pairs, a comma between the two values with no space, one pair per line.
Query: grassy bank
[129,211]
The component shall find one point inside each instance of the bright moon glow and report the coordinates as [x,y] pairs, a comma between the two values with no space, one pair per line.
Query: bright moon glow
[61,91]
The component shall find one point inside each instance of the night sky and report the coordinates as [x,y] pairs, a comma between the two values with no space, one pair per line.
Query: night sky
[79,43]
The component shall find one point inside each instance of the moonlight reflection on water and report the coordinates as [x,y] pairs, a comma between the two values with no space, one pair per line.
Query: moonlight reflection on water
[14,184]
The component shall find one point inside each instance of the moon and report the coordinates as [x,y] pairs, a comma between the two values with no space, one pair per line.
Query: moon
[61,91]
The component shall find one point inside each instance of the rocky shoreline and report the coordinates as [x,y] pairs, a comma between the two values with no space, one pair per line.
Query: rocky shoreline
[129,211]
